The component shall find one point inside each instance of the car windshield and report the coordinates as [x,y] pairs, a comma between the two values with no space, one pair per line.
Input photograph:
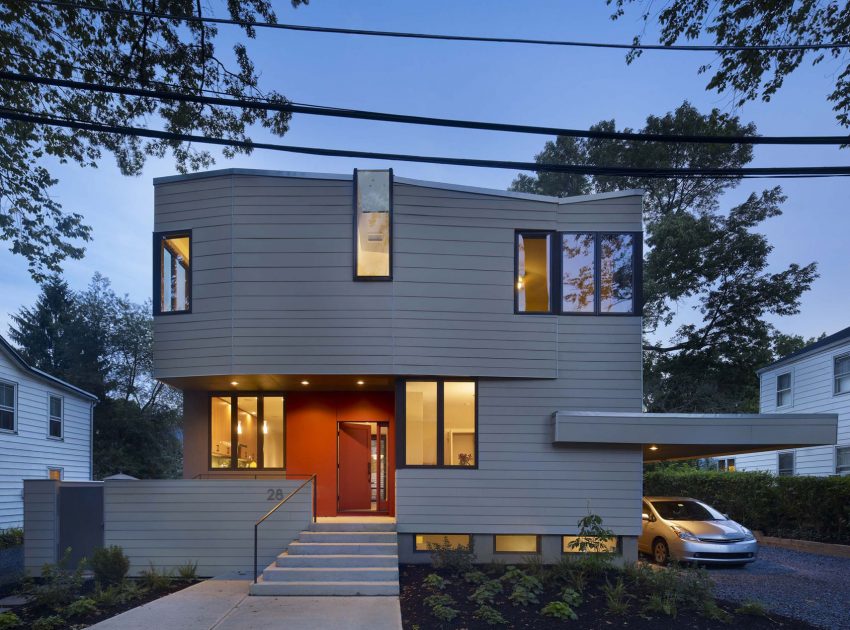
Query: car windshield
[686,511]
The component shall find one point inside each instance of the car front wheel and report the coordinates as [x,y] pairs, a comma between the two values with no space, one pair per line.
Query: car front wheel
[660,551]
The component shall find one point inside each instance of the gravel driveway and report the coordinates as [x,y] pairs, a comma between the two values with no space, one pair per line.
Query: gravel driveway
[810,587]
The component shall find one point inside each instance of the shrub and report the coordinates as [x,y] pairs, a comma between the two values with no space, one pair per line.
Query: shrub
[53,622]
[81,607]
[110,565]
[436,582]
[9,620]
[559,610]
[188,571]
[486,592]
[489,615]
[526,587]
[474,577]
[154,580]
[11,537]
[118,595]
[571,597]
[616,597]
[59,586]
[441,606]
[455,560]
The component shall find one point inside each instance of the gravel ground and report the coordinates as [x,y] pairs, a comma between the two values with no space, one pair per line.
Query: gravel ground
[810,587]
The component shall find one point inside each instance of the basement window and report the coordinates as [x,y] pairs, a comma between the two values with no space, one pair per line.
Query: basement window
[516,543]
[373,224]
[426,542]
[173,272]
[570,544]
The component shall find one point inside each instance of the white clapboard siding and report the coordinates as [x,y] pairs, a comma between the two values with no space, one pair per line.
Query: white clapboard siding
[812,390]
[29,452]
[168,523]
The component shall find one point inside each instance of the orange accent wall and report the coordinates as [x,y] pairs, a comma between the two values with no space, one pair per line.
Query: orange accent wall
[311,420]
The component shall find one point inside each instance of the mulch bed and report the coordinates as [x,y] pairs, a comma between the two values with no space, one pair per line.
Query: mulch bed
[592,613]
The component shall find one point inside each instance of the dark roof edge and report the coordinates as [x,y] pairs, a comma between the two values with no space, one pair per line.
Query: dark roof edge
[5,345]
[823,344]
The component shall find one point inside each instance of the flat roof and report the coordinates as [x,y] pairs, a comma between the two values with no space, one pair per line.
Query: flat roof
[227,172]
[822,344]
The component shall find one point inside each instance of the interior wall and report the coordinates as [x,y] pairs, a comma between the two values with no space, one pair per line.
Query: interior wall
[311,440]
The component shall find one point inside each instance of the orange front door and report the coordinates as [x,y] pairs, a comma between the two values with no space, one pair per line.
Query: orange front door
[355,467]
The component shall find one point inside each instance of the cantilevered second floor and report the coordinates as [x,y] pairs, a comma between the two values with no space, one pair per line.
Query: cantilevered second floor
[277,273]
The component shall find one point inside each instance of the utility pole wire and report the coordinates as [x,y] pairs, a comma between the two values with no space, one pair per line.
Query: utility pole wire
[441,37]
[335,112]
[577,169]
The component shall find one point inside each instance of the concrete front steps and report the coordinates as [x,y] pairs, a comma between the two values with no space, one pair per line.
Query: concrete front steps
[336,558]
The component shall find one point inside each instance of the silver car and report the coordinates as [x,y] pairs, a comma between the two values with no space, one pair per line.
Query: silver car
[688,530]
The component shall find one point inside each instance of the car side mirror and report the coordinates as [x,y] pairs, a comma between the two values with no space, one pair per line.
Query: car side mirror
[645,517]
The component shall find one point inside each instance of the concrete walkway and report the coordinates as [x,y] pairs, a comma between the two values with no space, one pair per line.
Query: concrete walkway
[224,604]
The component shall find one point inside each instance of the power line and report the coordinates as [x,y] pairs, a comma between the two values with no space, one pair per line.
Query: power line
[443,37]
[317,110]
[575,169]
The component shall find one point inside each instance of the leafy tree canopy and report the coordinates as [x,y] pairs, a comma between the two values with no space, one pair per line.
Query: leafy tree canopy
[751,74]
[696,254]
[123,50]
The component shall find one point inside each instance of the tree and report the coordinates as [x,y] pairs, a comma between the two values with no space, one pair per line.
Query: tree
[103,343]
[753,74]
[124,50]
[696,254]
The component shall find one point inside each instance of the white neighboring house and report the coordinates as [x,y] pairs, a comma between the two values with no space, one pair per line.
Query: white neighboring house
[45,431]
[814,379]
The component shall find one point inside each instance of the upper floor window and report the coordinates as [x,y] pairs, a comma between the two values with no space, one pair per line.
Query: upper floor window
[578,253]
[842,460]
[172,272]
[783,389]
[533,272]
[56,416]
[440,423]
[616,273]
[7,407]
[842,374]
[373,224]
[785,464]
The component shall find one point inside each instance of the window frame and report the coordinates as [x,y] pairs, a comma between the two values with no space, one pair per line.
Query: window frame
[61,471]
[538,545]
[553,270]
[835,375]
[233,422]
[14,429]
[158,237]
[50,417]
[723,464]
[793,464]
[401,422]
[840,447]
[355,276]
[618,548]
[790,389]
[470,546]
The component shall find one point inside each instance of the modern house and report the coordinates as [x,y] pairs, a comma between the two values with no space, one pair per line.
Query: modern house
[464,362]
[45,431]
[814,379]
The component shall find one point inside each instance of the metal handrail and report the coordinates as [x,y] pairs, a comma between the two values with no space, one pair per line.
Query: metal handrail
[312,478]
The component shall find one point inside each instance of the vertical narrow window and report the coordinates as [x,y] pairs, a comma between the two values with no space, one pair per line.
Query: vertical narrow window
[783,389]
[842,374]
[220,434]
[785,464]
[373,224]
[420,423]
[616,273]
[842,460]
[56,415]
[578,267]
[272,430]
[173,268]
[459,423]
[7,407]
[533,268]
[246,431]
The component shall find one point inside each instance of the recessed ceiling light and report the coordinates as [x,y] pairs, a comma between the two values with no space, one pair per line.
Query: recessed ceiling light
[653,448]
[234,383]
[361,382]
[305,382]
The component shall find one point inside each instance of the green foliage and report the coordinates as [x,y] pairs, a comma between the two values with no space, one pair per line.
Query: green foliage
[188,571]
[559,610]
[441,606]
[152,579]
[752,608]
[592,537]
[110,565]
[661,604]
[617,599]
[9,621]
[712,259]
[474,577]
[11,537]
[436,582]
[526,587]
[485,593]
[81,607]
[59,585]
[810,508]
[118,595]
[489,615]
[453,559]
[53,622]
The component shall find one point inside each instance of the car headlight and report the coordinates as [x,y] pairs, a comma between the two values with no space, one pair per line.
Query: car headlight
[684,534]
[748,535]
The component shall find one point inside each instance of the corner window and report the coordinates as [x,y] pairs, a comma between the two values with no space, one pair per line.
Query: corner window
[56,415]
[426,542]
[841,372]
[783,389]
[247,432]
[440,424]
[842,460]
[516,543]
[373,202]
[616,273]
[7,407]
[172,272]
[578,267]
[785,467]
[533,272]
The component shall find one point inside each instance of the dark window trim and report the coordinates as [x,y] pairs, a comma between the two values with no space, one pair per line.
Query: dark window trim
[835,374]
[14,429]
[560,287]
[789,389]
[401,423]
[50,417]
[157,271]
[618,549]
[554,274]
[538,545]
[356,277]
[415,550]
[233,439]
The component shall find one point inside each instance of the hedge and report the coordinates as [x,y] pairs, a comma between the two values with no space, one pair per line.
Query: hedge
[807,508]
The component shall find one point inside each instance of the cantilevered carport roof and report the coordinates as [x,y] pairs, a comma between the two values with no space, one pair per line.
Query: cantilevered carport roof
[670,436]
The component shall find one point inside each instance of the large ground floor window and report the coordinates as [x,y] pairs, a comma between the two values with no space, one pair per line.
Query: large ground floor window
[247,431]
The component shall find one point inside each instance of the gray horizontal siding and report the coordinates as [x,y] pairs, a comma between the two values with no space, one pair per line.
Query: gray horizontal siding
[41,534]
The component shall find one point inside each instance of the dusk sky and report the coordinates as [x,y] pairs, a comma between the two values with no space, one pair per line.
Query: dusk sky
[563,87]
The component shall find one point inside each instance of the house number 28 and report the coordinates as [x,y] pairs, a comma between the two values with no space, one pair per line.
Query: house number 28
[275,494]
